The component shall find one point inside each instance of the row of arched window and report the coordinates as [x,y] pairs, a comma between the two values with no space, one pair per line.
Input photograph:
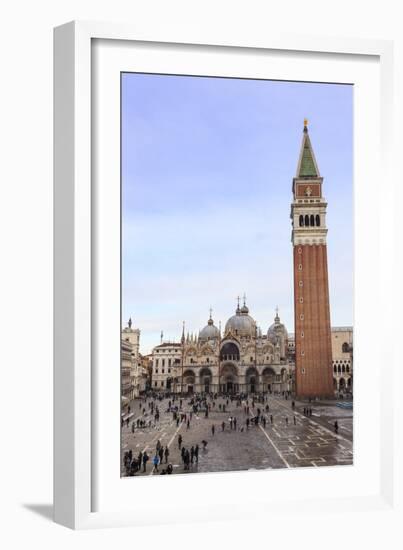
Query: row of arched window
[309,221]
[341,368]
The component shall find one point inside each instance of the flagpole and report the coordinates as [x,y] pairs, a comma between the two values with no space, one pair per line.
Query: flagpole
[183,354]
[219,360]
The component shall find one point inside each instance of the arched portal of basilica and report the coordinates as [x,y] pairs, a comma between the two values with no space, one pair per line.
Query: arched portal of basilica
[229,380]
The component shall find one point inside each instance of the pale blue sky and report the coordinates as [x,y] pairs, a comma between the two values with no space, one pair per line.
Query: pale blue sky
[207,168]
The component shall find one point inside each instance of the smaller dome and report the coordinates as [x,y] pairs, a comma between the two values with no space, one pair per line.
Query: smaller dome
[209,331]
[276,330]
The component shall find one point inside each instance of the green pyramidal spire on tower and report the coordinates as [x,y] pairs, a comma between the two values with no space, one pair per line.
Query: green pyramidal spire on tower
[307,166]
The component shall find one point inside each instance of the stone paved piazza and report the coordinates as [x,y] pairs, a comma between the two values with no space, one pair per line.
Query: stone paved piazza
[310,442]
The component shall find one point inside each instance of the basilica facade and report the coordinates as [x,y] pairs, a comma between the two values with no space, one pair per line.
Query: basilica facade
[240,359]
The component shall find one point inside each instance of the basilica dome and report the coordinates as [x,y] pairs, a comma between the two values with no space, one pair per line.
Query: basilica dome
[241,324]
[209,331]
[277,331]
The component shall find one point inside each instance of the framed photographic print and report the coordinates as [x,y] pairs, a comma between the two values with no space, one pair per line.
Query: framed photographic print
[218,234]
[203,184]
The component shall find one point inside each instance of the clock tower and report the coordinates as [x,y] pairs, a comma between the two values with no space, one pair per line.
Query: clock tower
[313,351]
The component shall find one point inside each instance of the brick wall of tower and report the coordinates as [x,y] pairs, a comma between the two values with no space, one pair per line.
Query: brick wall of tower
[313,350]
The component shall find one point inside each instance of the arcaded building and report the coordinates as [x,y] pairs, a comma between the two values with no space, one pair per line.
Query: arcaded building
[134,375]
[342,357]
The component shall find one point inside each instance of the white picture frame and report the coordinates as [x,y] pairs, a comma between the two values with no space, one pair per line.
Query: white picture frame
[83,497]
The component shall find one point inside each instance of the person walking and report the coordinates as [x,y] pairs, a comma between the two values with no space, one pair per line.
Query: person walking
[223,425]
[145,460]
[336,427]
[161,454]
[192,454]
[197,454]
[126,463]
[186,460]
[179,441]
[188,424]
[166,453]
[286,420]
[213,430]
[234,423]
[247,423]
[155,462]
[295,421]
[271,419]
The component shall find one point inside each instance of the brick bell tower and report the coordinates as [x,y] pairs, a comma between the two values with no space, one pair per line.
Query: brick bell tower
[313,351]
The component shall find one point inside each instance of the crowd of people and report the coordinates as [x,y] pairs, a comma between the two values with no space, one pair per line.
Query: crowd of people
[250,411]
[134,464]
[244,412]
